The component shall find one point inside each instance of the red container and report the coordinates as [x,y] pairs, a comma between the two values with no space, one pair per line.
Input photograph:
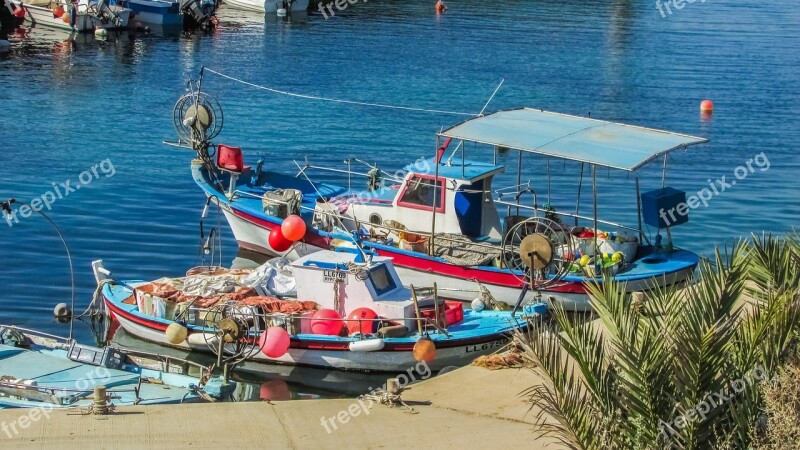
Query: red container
[453,312]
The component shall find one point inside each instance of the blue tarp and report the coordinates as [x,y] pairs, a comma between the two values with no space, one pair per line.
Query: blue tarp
[607,144]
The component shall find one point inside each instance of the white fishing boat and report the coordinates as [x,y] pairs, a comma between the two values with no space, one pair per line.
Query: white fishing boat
[86,16]
[355,314]
[269,6]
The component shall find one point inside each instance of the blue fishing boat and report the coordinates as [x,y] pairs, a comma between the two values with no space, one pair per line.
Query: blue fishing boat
[444,220]
[173,13]
[39,370]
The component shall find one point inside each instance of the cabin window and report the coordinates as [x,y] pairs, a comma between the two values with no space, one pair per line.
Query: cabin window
[421,193]
[382,280]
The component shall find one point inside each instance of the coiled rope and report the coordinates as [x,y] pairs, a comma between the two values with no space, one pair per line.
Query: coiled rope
[337,100]
[390,400]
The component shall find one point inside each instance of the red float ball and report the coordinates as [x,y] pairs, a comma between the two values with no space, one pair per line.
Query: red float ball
[327,322]
[278,242]
[706,106]
[274,342]
[275,390]
[366,324]
[19,13]
[293,228]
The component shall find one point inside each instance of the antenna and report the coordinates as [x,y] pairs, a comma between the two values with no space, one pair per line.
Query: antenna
[479,114]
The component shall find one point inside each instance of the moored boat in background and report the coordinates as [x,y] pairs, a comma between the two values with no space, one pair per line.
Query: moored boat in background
[85,16]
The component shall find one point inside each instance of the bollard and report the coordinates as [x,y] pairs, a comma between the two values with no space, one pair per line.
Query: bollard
[100,405]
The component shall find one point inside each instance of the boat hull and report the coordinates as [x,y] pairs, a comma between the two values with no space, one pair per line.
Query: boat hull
[396,356]
[156,12]
[252,234]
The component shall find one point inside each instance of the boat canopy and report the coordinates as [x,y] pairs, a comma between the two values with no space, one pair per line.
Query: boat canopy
[598,142]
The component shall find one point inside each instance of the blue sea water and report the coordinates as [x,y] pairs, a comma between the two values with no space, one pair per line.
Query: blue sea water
[69,105]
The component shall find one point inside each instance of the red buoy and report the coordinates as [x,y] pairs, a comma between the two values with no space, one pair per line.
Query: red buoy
[327,322]
[706,106]
[19,13]
[361,320]
[277,241]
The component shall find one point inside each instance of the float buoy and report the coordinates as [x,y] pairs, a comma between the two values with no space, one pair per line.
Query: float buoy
[59,11]
[293,228]
[706,106]
[62,311]
[277,241]
[176,333]
[327,322]
[424,350]
[362,320]
[19,13]
[275,390]
[274,342]
[101,32]
[65,17]
[440,8]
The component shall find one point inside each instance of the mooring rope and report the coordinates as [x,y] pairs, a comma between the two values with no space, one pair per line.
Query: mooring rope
[337,100]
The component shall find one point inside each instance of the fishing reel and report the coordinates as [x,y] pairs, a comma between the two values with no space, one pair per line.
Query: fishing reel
[537,251]
[235,334]
[198,119]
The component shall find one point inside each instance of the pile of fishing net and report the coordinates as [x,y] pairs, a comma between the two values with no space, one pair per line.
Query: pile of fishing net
[509,359]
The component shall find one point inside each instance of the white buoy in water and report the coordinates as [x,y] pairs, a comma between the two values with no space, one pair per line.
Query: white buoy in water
[101,32]
[62,311]
[281,12]
[4,45]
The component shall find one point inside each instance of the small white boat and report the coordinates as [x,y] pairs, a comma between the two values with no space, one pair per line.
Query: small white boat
[269,6]
[86,16]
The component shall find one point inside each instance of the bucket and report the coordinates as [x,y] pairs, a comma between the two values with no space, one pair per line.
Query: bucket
[413,242]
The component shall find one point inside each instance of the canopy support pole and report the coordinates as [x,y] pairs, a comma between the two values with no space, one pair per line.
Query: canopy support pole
[435,197]
[639,211]
[664,172]
[578,203]
[519,172]
[594,195]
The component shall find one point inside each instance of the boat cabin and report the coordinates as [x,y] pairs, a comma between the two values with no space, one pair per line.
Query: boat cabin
[336,281]
[458,193]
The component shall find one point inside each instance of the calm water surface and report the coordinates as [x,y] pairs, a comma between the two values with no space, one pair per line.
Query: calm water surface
[69,105]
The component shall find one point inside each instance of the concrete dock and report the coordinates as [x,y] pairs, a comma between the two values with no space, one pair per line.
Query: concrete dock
[470,407]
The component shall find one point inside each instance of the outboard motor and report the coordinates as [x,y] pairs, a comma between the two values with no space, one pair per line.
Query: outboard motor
[106,14]
[201,13]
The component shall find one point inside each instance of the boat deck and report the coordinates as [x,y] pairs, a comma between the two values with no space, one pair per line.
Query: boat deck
[51,369]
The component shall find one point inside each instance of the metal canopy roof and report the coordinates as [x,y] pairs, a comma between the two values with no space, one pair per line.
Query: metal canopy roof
[607,144]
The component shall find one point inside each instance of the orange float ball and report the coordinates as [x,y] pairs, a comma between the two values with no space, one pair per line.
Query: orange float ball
[706,105]
[361,320]
[424,350]
[58,11]
[65,17]
[293,228]
[327,322]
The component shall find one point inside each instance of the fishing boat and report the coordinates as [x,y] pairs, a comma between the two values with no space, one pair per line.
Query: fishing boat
[353,313]
[85,16]
[441,219]
[40,370]
[189,14]
[269,6]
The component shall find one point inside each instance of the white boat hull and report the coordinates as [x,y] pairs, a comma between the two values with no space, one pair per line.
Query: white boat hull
[385,361]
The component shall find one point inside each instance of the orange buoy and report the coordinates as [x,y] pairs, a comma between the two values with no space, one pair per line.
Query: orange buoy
[440,8]
[65,17]
[58,11]
[19,13]
[424,350]
[706,106]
